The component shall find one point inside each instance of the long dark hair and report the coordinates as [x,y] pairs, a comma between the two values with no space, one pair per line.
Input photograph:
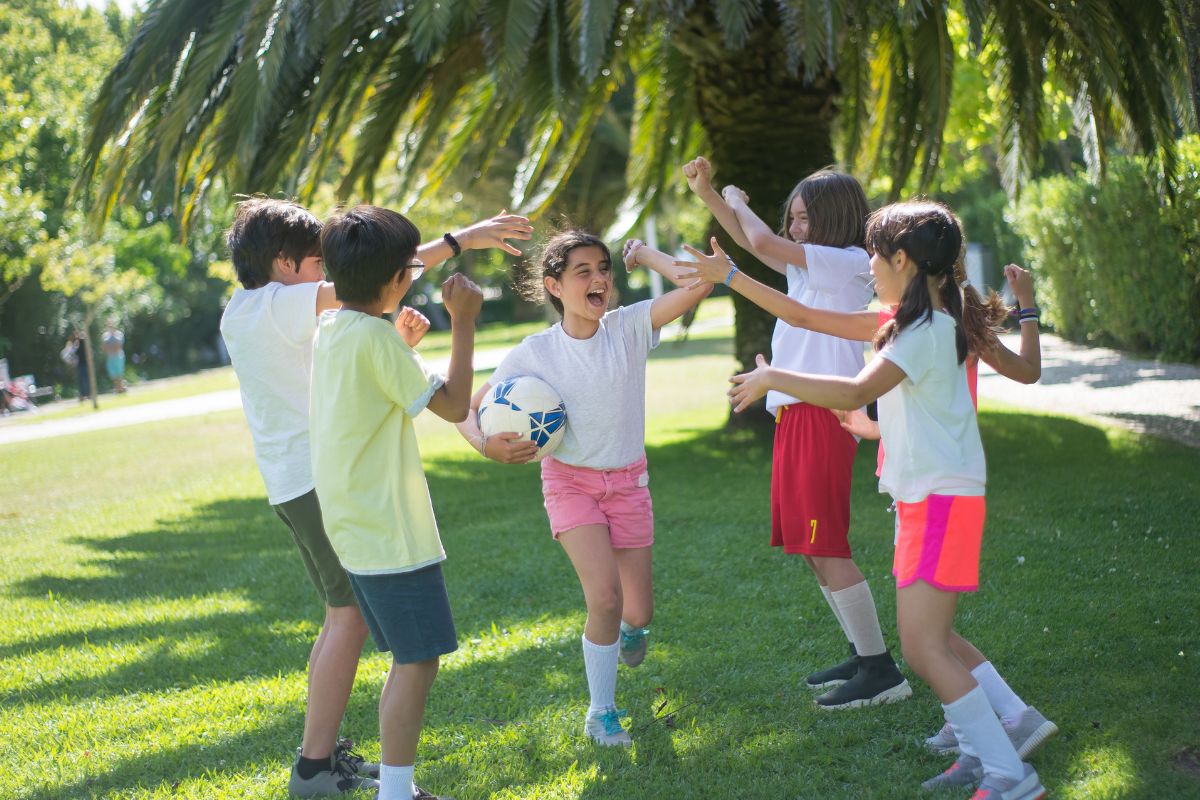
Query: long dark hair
[550,261]
[930,235]
[983,317]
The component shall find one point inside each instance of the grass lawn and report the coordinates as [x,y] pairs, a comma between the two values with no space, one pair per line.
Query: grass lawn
[158,621]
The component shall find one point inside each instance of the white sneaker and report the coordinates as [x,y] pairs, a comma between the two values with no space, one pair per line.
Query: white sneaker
[944,742]
[605,728]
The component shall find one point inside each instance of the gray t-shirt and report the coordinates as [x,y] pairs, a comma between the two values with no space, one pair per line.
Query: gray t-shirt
[601,380]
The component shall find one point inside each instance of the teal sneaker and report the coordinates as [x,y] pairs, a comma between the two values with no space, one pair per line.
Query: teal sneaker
[605,728]
[633,646]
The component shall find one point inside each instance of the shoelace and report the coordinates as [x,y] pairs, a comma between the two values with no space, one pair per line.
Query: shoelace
[611,720]
[345,757]
[630,639]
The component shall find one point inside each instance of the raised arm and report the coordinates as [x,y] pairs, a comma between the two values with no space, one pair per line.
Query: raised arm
[463,299]
[698,172]
[875,380]
[674,304]
[483,235]
[1026,366]
[718,268]
[507,448]
[764,242]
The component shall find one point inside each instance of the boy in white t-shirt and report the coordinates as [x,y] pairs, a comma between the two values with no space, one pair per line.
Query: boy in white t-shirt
[368,384]
[268,328]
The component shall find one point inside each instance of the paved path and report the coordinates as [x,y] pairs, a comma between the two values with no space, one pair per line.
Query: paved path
[1155,397]
[1149,396]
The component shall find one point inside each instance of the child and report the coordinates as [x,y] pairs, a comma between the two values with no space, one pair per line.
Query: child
[268,328]
[596,484]
[1027,728]
[935,467]
[813,462]
[367,386]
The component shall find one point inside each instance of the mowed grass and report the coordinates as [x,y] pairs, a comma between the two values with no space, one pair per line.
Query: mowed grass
[157,621]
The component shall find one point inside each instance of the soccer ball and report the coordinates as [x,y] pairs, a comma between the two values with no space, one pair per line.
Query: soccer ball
[527,406]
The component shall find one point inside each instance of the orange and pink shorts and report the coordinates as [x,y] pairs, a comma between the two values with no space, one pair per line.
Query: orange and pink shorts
[618,498]
[938,541]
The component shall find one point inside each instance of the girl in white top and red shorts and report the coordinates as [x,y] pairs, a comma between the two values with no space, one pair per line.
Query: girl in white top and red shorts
[826,268]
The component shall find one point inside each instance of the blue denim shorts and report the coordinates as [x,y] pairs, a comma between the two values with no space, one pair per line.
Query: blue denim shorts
[408,613]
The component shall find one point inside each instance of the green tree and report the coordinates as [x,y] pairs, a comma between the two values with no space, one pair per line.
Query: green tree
[267,93]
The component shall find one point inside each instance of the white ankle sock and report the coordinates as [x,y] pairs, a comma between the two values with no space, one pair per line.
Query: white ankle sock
[861,621]
[837,614]
[976,725]
[396,783]
[1003,699]
[600,664]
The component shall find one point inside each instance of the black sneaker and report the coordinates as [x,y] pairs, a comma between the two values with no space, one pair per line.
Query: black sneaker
[344,753]
[339,779]
[877,681]
[835,676]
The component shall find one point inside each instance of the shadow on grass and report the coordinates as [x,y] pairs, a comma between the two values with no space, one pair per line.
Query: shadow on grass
[737,624]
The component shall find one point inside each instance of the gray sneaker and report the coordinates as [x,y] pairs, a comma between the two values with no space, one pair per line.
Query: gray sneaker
[994,788]
[421,794]
[633,646]
[605,728]
[1031,730]
[339,779]
[944,742]
[964,773]
[344,752]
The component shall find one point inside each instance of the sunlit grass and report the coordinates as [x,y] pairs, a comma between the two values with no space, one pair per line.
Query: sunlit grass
[158,621]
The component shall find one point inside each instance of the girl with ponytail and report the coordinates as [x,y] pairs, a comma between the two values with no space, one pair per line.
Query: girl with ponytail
[935,471]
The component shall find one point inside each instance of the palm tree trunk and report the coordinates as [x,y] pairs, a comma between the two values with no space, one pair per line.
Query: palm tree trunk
[767,130]
[1189,18]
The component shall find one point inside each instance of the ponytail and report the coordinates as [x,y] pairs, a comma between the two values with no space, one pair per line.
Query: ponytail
[932,238]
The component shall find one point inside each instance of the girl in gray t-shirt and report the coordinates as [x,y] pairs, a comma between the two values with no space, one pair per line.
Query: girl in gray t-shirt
[596,485]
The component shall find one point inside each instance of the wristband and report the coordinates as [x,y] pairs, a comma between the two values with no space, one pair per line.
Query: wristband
[733,270]
[1032,318]
[455,247]
[1032,310]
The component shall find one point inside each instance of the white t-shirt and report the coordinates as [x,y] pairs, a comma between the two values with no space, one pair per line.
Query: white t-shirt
[836,279]
[602,382]
[269,333]
[927,423]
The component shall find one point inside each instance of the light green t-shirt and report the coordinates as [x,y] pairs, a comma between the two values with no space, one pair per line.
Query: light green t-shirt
[367,385]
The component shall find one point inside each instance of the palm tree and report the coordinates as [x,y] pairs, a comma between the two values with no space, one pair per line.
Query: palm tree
[282,95]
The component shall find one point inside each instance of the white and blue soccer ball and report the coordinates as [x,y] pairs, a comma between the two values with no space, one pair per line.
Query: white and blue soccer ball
[527,406]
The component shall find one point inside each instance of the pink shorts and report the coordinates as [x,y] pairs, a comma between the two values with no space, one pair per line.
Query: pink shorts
[618,498]
[938,540]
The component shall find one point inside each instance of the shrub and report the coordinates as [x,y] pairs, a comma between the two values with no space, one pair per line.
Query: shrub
[1117,263]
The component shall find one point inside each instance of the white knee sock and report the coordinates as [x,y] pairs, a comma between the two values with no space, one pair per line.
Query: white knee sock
[976,725]
[857,608]
[600,664]
[395,783]
[837,614]
[1003,699]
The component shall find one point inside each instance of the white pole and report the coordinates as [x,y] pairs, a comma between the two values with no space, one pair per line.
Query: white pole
[651,234]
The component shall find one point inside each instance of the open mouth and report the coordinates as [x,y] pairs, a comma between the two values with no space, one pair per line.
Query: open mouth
[597,298]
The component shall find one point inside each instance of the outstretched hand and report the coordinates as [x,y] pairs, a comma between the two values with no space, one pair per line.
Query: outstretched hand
[629,253]
[491,233]
[698,173]
[1021,283]
[412,325]
[705,267]
[857,422]
[750,386]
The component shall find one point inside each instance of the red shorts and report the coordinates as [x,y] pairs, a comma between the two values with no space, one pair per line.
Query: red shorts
[811,470]
[938,541]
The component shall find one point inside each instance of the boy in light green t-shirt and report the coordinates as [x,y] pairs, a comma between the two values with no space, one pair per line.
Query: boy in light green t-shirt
[367,385]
